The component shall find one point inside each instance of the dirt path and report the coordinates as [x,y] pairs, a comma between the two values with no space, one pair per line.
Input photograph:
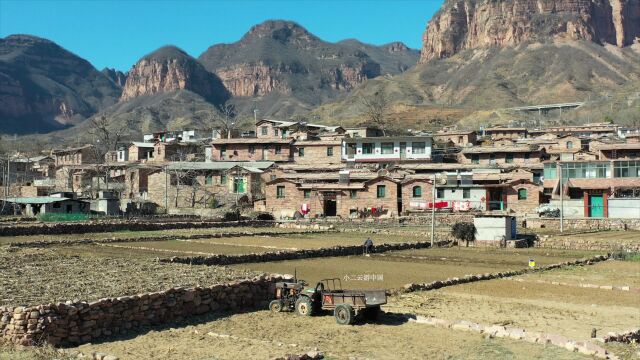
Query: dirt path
[263,335]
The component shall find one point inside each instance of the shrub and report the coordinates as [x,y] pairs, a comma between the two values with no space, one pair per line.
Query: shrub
[464,231]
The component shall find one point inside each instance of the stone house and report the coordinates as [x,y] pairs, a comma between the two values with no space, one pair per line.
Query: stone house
[252,149]
[629,151]
[137,152]
[509,155]
[417,193]
[523,196]
[363,132]
[497,133]
[75,156]
[457,138]
[371,198]
[317,152]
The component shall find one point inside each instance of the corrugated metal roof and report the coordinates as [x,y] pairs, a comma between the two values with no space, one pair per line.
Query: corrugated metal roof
[36,200]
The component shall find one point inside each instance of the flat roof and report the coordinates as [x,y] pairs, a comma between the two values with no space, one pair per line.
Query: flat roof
[36,200]
[252,141]
[387,138]
[218,165]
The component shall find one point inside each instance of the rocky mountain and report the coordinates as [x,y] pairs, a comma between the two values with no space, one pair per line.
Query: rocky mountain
[472,24]
[281,67]
[169,69]
[480,56]
[44,87]
[116,76]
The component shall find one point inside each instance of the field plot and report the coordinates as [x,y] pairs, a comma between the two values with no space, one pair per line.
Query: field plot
[312,241]
[608,273]
[4,240]
[263,335]
[189,247]
[568,311]
[40,276]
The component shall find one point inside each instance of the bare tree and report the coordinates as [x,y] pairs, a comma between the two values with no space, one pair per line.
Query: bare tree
[376,108]
[226,119]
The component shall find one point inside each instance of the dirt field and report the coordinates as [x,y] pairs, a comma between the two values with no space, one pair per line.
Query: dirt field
[39,276]
[263,335]
[568,311]
[614,273]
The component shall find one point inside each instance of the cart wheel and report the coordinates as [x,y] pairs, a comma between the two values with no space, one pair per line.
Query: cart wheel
[372,313]
[344,314]
[276,306]
[304,306]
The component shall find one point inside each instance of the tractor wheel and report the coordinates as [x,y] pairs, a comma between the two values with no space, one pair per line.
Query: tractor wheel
[276,306]
[372,313]
[304,306]
[344,314]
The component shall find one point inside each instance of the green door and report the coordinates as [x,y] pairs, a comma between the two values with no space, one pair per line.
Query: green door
[596,206]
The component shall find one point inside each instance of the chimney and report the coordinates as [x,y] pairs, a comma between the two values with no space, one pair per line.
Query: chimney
[344,177]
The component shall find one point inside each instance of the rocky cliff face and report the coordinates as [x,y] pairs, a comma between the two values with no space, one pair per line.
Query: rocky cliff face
[169,69]
[44,87]
[468,24]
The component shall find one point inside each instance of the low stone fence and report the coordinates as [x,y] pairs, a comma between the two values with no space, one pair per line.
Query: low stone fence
[44,243]
[74,323]
[584,224]
[489,276]
[631,336]
[119,225]
[586,242]
[221,259]
[499,331]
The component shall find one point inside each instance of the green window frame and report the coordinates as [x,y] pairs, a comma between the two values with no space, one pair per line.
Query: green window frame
[508,158]
[475,159]
[223,179]
[208,180]
[381,191]
[367,148]
[307,193]
[353,194]
[329,150]
[522,194]
[417,191]
[301,152]
[280,192]
[419,147]
[466,193]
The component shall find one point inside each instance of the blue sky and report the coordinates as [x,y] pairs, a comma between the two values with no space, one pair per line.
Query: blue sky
[117,33]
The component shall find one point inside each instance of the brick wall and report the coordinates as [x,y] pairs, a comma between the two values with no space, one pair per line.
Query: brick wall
[407,193]
[253,152]
[500,158]
[315,152]
[527,205]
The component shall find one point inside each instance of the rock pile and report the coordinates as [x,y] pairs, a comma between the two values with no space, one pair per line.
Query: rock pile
[79,322]
[631,336]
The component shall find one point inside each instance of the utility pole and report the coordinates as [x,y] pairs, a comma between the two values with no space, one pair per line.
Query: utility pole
[166,189]
[433,210]
[561,200]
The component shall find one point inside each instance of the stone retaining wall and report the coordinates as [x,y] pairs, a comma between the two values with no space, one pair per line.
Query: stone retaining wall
[74,323]
[631,336]
[119,225]
[584,224]
[489,276]
[44,243]
[220,259]
[585,242]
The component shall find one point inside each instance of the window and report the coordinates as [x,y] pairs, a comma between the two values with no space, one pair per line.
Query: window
[280,192]
[275,132]
[209,179]
[466,193]
[272,177]
[522,194]
[353,194]
[367,148]
[492,158]
[417,191]
[56,205]
[252,149]
[329,150]
[223,151]
[223,179]
[527,156]
[440,194]
[550,171]
[569,144]
[626,168]
[475,159]
[508,158]
[265,130]
[238,185]
[418,147]
[307,194]
[382,191]
[278,149]
[301,152]
[386,148]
